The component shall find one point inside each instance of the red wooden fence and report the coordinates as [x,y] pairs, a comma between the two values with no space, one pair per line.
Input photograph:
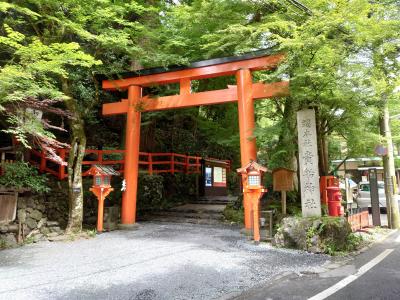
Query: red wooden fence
[153,163]
[359,220]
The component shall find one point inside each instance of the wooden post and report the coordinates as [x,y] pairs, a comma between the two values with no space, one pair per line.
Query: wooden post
[283,202]
[61,168]
[256,218]
[186,164]
[100,156]
[100,213]
[150,160]
[248,149]
[42,166]
[131,167]
[172,168]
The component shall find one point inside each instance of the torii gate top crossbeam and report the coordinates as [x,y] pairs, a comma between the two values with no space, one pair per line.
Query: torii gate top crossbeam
[198,70]
[203,69]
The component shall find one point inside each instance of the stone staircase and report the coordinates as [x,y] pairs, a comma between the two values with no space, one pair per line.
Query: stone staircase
[194,213]
[217,200]
[205,210]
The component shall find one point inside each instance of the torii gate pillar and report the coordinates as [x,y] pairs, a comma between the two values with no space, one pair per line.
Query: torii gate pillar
[248,148]
[131,167]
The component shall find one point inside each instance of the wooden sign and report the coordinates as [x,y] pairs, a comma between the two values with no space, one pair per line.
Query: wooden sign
[283,179]
[308,159]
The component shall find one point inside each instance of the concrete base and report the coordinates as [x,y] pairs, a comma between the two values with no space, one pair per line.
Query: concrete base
[134,226]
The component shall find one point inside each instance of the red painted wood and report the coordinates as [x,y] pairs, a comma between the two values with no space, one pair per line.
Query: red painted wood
[260,91]
[175,162]
[260,63]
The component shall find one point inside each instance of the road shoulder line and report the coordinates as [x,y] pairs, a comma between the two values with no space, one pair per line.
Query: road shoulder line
[347,280]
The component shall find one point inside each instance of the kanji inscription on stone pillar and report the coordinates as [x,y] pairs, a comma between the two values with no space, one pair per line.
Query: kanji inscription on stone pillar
[308,158]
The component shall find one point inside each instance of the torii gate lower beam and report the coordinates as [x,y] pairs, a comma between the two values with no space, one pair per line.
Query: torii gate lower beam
[244,93]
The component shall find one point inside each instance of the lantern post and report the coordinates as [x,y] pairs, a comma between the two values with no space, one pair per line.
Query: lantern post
[252,175]
[101,188]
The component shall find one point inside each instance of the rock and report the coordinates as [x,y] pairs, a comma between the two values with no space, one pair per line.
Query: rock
[41,222]
[33,232]
[41,207]
[29,210]
[21,203]
[52,223]
[3,229]
[13,228]
[21,215]
[317,235]
[55,229]
[30,202]
[44,230]
[31,223]
[10,240]
[36,215]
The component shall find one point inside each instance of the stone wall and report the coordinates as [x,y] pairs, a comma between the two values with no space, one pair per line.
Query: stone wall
[39,217]
[32,223]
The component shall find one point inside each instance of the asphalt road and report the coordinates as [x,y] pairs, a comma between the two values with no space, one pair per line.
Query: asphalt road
[374,274]
[158,261]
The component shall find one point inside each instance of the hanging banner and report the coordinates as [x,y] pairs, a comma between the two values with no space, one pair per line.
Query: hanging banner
[308,159]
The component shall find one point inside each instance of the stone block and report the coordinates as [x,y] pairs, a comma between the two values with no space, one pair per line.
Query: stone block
[31,223]
[21,203]
[44,230]
[30,202]
[3,229]
[21,214]
[41,222]
[10,240]
[55,229]
[41,207]
[52,223]
[36,215]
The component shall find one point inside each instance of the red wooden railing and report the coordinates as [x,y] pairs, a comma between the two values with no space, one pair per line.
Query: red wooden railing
[153,163]
[358,220]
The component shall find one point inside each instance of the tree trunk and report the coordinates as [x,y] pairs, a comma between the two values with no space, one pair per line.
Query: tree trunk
[389,171]
[77,152]
[322,146]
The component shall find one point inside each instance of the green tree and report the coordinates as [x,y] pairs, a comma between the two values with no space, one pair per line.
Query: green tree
[52,51]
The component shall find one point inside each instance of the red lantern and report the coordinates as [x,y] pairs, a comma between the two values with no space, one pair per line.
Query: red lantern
[252,175]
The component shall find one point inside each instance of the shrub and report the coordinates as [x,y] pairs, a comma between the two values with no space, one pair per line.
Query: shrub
[150,192]
[233,214]
[21,175]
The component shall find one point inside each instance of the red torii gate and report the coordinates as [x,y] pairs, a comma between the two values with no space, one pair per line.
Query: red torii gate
[244,93]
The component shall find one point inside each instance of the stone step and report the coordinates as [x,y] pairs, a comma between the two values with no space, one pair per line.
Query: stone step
[198,208]
[171,214]
[183,220]
[215,200]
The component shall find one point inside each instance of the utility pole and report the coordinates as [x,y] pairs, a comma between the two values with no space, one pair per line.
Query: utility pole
[392,206]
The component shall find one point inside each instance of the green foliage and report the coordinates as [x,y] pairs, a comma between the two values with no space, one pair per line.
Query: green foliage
[150,192]
[21,175]
[233,214]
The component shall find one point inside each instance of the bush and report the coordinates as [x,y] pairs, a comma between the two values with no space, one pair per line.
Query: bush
[150,192]
[234,214]
[21,175]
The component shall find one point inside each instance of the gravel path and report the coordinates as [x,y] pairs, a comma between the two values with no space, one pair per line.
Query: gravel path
[158,261]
